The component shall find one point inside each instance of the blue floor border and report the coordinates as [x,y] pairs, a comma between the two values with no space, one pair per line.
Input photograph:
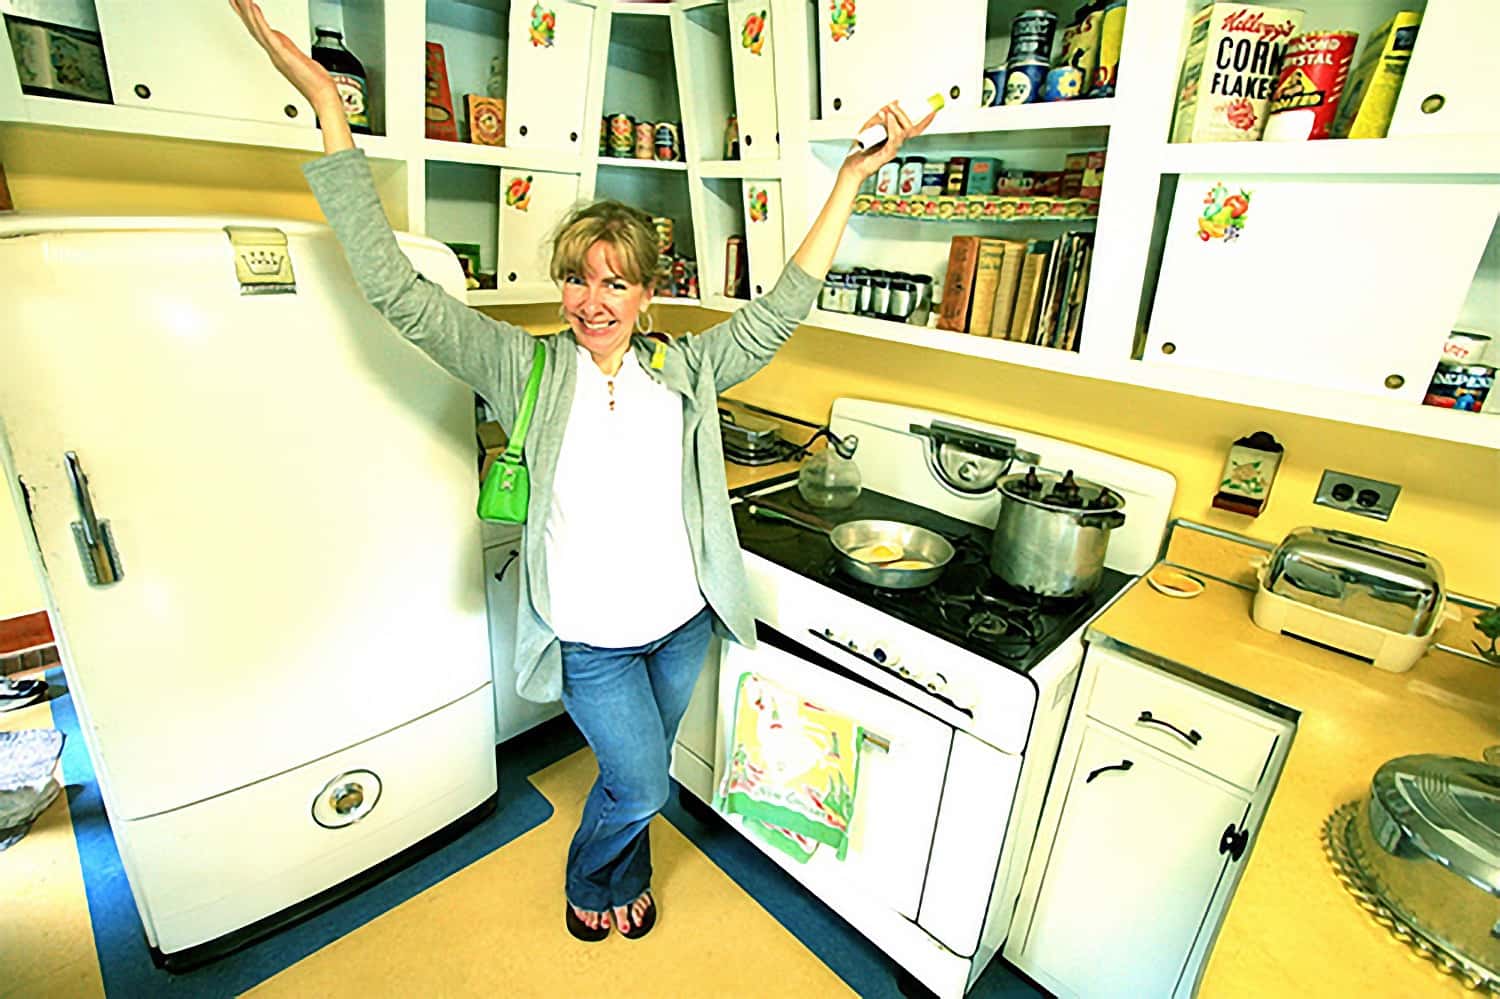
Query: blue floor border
[127,969]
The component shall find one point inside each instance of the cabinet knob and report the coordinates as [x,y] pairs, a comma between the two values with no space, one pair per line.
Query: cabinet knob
[572,136]
[1169,347]
[522,130]
[142,91]
[1433,103]
[748,139]
[290,110]
[1394,381]
[1233,842]
[838,103]
[511,276]
[953,92]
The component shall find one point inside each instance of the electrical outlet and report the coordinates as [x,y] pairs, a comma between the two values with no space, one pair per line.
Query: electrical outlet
[1354,494]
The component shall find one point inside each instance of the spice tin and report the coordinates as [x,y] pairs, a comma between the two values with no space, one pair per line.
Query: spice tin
[663,226]
[1460,386]
[1080,46]
[1111,31]
[911,176]
[645,140]
[981,175]
[957,173]
[932,179]
[1063,84]
[1024,83]
[994,85]
[668,141]
[621,135]
[1306,96]
[888,179]
[1031,36]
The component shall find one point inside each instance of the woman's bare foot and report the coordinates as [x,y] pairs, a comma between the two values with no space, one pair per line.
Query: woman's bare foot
[629,917]
[593,920]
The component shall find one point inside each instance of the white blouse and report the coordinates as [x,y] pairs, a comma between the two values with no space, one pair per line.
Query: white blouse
[619,564]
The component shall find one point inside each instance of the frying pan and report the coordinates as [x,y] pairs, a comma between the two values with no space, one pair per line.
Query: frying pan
[847,538]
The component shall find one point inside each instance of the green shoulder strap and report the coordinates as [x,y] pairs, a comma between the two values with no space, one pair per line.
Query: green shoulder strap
[528,403]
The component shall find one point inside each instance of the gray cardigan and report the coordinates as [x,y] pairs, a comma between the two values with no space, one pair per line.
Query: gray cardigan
[495,357]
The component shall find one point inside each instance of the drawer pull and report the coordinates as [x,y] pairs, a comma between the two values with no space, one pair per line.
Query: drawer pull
[879,742]
[1233,842]
[1193,737]
[1122,765]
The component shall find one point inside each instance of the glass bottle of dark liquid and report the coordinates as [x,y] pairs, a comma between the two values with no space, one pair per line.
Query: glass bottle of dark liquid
[348,75]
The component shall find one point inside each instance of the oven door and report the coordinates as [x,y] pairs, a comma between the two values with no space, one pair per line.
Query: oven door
[898,789]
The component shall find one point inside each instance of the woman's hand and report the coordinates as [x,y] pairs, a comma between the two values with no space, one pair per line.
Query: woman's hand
[859,164]
[311,80]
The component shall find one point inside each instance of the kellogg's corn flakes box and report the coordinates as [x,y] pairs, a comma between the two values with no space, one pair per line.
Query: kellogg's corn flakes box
[1233,56]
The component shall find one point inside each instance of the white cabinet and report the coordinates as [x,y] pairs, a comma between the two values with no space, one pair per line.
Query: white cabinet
[871,53]
[513,713]
[1158,793]
[532,202]
[204,63]
[763,238]
[1447,89]
[752,54]
[1337,284]
[547,76]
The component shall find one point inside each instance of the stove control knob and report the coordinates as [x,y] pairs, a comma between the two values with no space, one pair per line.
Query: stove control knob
[885,656]
[937,683]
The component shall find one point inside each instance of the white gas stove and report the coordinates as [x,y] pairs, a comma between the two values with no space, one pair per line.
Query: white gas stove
[965,683]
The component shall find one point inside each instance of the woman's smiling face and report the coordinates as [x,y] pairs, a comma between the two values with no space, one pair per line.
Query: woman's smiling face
[601,305]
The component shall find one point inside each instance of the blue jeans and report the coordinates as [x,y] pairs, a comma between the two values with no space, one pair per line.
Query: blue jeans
[628,704]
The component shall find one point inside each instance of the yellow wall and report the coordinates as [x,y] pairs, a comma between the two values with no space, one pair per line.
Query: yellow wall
[1450,492]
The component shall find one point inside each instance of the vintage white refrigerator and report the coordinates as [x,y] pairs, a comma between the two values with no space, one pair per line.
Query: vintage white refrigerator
[253,507]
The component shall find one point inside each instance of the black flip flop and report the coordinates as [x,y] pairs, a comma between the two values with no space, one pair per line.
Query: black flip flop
[583,931]
[647,921]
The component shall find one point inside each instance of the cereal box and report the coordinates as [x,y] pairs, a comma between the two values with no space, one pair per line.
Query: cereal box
[1365,112]
[1233,56]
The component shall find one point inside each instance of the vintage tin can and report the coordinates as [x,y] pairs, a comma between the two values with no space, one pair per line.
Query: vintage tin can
[888,179]
[955,176]
[1305,99]
[645,140]
[663,226]
[981,176]
[911,176]
[1063,83]
[621,136]
[994,86]
[933,175]
[1111,31]
[1031,36]
[1460,386]
[668,141]
[1080,47]
[1024,83]
[604,135]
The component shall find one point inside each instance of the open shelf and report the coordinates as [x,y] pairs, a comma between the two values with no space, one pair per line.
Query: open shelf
[1448,154]
[1072,122]
[740,169]
[443,151]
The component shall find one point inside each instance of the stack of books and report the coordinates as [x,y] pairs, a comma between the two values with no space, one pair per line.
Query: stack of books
[1030,291]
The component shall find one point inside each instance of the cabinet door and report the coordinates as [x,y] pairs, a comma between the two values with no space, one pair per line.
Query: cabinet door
[532,202]
[1446,90]
[1132,870]
[763,240]
[1344,285]
[753,57]
[200,61]
[513,713]
[548,75]
[871,53]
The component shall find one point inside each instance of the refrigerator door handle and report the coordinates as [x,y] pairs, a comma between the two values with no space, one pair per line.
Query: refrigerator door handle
[96,544]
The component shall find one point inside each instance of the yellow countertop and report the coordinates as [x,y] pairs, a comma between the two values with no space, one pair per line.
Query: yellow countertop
[1291,928]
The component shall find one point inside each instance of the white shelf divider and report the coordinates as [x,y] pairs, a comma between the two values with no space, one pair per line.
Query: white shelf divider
[635,164]
[1071,115]
[740,169]
[1432,155]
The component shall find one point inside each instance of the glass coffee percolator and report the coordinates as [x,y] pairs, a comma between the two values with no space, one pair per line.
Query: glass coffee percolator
[829,478]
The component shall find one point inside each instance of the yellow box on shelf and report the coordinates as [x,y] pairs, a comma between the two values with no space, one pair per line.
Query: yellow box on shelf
[977,207]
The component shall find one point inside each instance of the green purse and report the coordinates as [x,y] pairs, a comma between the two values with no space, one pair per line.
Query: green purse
[507,486]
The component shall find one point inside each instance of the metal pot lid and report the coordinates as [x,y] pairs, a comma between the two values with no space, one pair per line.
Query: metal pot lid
[1447,808]
[1065,493]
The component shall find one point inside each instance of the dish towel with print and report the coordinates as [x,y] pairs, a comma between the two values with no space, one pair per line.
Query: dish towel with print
[793,770]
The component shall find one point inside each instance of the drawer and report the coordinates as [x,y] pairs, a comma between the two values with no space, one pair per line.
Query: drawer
[1195,725]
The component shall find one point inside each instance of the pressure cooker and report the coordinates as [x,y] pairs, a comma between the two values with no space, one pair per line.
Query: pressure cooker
[1052,532]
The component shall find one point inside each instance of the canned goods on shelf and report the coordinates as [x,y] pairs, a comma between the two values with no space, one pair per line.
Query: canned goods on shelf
[621,135]
[668,141]
[645,140]
[1024,82]
[1031,36]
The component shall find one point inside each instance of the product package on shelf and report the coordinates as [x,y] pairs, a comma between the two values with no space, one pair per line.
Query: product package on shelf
[1314,70]
[58,60]
[1370,95]
[1234,54]
[441,123]
[486,119]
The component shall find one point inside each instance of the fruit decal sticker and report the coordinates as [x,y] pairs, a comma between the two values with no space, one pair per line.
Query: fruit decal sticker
[753,33]
[758,205]
[840,19]
[1223,214]
[518,194]
[543,26]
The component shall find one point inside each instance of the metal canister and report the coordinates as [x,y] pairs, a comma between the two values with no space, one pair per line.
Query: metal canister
[1031,36]
[888,179]
[645,140]
[921,305]
[933,175]
[903,297]
[994,86]
[663,226]
[911,176]
[1080,48]
[1111,31]
[668,141]
[880,292]
[1063,83]
[1024,83]
[828,298]
[621,135]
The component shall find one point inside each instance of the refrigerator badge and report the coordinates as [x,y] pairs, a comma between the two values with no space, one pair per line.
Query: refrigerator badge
[753,33]
[518,194]
[543,27]
[840,20]
[1223,214]
[759,204]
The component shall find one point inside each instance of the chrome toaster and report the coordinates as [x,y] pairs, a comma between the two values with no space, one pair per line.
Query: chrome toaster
[1366,598]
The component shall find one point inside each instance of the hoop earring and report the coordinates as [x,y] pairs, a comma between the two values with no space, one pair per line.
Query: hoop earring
[649,324]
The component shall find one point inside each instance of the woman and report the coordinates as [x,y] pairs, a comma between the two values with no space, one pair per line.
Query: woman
[630,555]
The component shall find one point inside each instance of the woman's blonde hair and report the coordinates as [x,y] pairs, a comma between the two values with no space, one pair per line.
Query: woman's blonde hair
[628,230]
